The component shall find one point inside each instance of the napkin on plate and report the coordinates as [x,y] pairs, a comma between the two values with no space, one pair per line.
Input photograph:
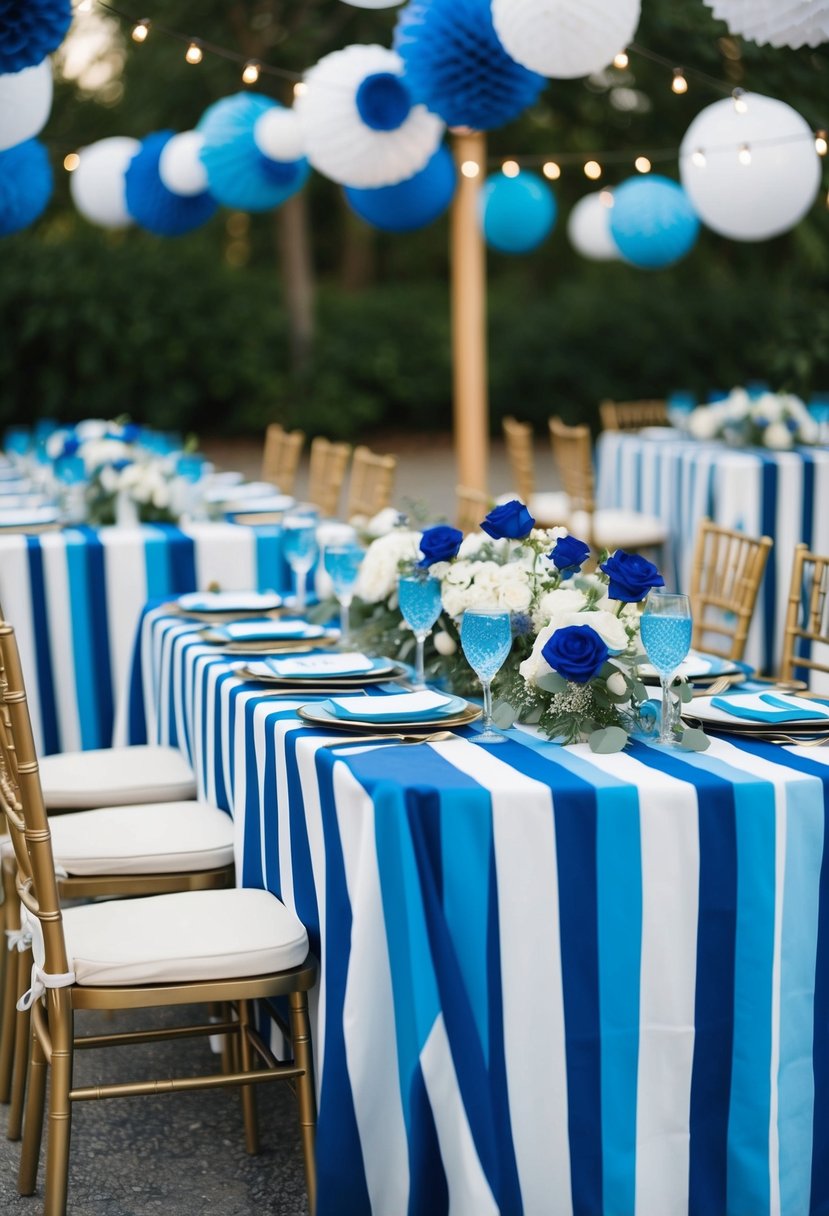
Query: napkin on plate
[322,665]
[229,601]
[267,631]
[399,707]
[770,708]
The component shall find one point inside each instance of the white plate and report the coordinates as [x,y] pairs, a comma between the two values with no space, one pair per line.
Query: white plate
[712,715]
[694,667]
[267,631]
[273,502]
[28,516]
[229,601]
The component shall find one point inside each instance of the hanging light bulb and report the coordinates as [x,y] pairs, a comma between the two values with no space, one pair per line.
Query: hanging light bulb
[71,162]
[194,54]
[85,6]
[141,30]
[621,60]
[642,164]
[299,88]
[250,72]
[510,168]
[593,170]
[698,158]
[744,155]
[606,198]
[470,168]
[740,103]
[679,84]
[551,170]
[821,144]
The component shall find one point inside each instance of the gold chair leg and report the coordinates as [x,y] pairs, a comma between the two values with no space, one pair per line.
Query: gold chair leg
[226,1014]
[8,1015]
[22,1033]
[33,1124]
[60,1107]
[247,1091]
[305,1092]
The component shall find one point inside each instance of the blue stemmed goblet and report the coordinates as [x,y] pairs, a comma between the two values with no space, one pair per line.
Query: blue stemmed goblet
[342,565]
[666,636]
[486,638]
[299,544]
[420,604]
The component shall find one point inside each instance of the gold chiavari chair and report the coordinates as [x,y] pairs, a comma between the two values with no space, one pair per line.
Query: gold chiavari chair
[326,473]
[806,636]
[472,507]
[371,484]
[632,415]
[727,570]
[227,947]
[548,508]
[608,528]
[280,457]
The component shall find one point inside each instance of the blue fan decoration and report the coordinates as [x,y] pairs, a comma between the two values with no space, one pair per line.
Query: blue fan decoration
[652,221]
[238,174]
[25,185]
[410,204]
[30,30]
[151,204]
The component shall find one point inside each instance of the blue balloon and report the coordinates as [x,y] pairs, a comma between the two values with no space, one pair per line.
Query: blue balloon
[652,221]
[456,65]
[238,174]
[410,204]
[517,213]
[25,185]
[30,30]
[151,204]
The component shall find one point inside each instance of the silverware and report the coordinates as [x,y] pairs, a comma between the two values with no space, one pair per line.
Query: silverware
[438,736]
[799,741]
[711,690]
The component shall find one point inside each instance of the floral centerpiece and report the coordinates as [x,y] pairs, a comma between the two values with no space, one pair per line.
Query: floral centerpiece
[771,420]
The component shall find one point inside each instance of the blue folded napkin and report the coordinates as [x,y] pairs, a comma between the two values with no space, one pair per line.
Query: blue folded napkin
[781,711]
[403,707]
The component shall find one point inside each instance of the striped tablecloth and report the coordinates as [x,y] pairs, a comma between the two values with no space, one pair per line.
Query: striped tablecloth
[75,598]
[784,495]
[553,983]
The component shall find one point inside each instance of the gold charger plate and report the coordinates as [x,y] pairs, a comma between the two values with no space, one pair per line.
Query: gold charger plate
[314,715]
[311,683]
[222,618]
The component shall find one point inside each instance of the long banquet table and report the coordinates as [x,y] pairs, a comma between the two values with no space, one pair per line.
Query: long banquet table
[553,983]
[75,597]
[784,495]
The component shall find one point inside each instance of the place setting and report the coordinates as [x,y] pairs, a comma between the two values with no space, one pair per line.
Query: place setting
[225,607]
[775,716]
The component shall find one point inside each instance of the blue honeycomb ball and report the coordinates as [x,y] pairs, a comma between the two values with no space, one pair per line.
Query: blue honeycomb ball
[238,174]
[151,204]
[652,221]
[30,30]
[25,185]
[411,204]
[456,65]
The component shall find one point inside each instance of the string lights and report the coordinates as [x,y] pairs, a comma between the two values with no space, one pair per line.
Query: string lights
[141,30]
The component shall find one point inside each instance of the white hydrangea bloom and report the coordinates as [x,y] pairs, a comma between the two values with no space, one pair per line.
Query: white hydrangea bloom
[380,568]
[778,436]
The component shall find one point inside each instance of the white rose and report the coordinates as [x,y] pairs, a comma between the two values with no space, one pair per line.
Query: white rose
[617,684]
[778,436]
[703,422]
[445,644]
[515,597]
[380,567]
[606,624]
[108,479]
[563,599]
[91,429]
[536,665]
[384,521]
[161,497]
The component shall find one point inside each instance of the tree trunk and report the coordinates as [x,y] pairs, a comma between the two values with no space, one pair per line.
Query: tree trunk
[293,245]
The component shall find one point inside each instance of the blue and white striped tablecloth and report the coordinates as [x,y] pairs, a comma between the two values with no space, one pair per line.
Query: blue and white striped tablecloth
[553,983]
[784,495]
[75,598]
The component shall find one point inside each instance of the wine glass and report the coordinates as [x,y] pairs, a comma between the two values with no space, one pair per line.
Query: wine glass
[419,596]
[342,565]
[666,636]
[486,638]
[299,544]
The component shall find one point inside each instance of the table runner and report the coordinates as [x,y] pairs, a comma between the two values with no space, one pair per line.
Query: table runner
[552,982]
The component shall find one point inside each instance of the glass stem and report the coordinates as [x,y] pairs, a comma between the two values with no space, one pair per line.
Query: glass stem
[344,606]
[301,578]
[486,685]
[666,732]
[420,674]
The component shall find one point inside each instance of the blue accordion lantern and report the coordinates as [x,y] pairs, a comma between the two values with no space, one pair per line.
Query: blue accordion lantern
[456,65]
[30,30]
[652,222]
[410,204]
[25,185]
[151,204]
[517,213]
[238,174]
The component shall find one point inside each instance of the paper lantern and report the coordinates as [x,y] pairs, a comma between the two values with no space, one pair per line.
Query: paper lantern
[652,221]
[589,227]
[793,23]
[238,174]
[456,65]
[151,204]
[751,172]
[180,165]
[373,3]
[277,134]
[25,103]
[411,204]
[98,185]
[517,213]
[25,185]
[358,121]
[30,30]
[565,38]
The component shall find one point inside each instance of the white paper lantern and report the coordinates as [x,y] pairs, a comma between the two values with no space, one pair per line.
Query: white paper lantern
[340,143]
[373,3]
[751,171]
[97,185]
[278,135]
[793,23]
[25,103]
[589,228]
[565,38]
[180,166]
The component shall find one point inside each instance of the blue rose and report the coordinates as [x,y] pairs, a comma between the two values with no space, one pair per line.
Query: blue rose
[631,576]
[569,553]
[439,544]
[510,521]
[576,652]
[120,465]
[131,432]
[70,445]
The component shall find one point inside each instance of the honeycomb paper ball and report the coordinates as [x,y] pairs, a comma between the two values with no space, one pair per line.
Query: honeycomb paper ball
[238,174]
[373,3]
[180,165]
[151,204]
[98,185]
[517,213]
[589,228]
[25,103]
[30,30]
[792,23]
[411,204]
[456,65]
[652,221]
[278,134]
[25,185]
[565,38]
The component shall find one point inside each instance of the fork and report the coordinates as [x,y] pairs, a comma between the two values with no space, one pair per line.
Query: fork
[438,736]
[799,741]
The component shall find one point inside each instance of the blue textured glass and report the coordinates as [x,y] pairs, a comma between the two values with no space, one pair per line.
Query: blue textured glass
[299,543]
[486,638]
[342,564]
[667,639]
[18,440]
[70,470]
[419,602]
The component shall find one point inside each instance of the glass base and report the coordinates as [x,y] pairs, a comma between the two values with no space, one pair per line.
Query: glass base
[489,736]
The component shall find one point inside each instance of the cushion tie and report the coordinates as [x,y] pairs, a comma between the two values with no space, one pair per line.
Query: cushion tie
[41,980]
[19,939]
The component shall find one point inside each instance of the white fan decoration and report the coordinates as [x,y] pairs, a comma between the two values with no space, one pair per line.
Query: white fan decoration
[278,135]
[589,228]
[565,38]
[372,3]
[98,187]
[340,144]
[792,23]
[180,166]
[25,103]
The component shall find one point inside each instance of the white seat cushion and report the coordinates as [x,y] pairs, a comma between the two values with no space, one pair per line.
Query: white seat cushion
[152,838]
[618,529]
[549,509]
[194,935]
[114,776]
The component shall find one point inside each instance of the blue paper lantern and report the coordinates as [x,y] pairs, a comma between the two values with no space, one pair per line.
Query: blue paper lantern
[25,185]
[517,213]
[238,174]
[456,65]
[151,204]
[652,221]
[30,30]
[411,204]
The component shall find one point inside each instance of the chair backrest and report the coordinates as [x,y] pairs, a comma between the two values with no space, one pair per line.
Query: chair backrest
[519,441]
[473,506]
[632,415]
[372,481]
[280,457]
[807,617]
[573,455]
[727,571]
[326,473]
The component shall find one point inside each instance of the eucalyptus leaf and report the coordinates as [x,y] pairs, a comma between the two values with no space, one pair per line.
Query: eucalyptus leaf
[685,692]
[639,691]
[533,716]
[503,715]
[694,740]
[552,683]
[610,739]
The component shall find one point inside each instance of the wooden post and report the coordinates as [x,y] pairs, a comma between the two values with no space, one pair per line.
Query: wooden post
[469,349]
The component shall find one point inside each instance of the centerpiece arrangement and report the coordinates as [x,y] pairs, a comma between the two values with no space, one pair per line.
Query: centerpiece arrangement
[771,420]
